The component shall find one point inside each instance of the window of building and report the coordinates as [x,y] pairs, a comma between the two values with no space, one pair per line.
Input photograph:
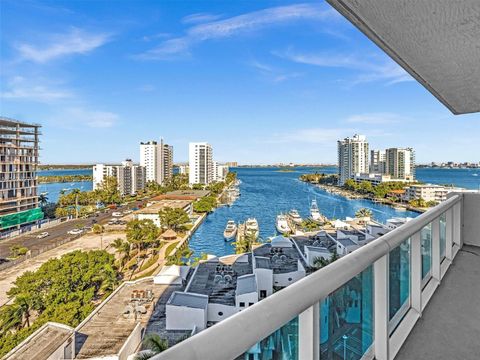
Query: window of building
[242,304]
[220,313]
[263,294]
[250,304]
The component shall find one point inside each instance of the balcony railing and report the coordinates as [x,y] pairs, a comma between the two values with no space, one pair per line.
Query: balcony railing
[362,306]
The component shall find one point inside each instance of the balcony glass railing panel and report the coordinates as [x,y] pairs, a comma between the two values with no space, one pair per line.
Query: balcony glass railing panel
[399,263]
[426,244]
[443,235]
[346,319]
[281,345]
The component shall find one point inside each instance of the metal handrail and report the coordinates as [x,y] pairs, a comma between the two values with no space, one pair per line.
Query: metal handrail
[233,336]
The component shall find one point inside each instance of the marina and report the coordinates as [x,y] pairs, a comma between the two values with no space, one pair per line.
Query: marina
[266,193]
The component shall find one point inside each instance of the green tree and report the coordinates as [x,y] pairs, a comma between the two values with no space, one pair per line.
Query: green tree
[363,212]
[350,184]
[141,233]
[155,345]
[18,250]
[365,187]
[320,262]
[62,290]
[42,199]
[173,218]
[205,204]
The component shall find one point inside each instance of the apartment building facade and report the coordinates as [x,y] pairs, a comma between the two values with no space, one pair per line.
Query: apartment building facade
[130,178]
[19,158]
[352,157]
[400,163]
[157,158]
[201,167]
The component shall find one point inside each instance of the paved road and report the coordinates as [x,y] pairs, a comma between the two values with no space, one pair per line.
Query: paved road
[57,232]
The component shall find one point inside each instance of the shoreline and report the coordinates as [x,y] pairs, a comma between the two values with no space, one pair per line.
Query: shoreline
[351,195]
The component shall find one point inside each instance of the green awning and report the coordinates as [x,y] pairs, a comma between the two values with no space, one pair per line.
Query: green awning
[22,217]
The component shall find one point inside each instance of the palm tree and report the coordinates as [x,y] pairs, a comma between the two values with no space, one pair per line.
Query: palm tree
[363,213]
[155,344]
[320,262]
[43,199]
[98,229]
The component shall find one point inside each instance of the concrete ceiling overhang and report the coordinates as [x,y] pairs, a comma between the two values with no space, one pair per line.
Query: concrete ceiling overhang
[436,41]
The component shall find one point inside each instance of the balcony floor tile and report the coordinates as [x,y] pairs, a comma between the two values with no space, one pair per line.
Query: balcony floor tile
[450,325]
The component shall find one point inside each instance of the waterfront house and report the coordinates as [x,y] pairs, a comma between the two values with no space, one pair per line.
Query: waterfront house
[151,211]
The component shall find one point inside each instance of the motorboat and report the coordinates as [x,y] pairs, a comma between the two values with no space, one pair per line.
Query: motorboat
[282,224]
[295,216]
[315,212]
[251,227]
[230,230]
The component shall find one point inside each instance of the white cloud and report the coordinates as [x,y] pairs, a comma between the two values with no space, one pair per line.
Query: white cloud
[20,88]
[375,118]
[91,118]
[245,23]
[76,41]
[200,18]
[273,74]
[370,68]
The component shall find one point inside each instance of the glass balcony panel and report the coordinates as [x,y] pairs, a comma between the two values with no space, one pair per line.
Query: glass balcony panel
[399,282]
[426,243]
[443,235]
[281,345]
[346,319]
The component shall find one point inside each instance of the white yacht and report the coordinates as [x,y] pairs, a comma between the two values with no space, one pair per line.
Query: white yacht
[295,216]
[230,230]
[314,211]
[282,224]
[251,226]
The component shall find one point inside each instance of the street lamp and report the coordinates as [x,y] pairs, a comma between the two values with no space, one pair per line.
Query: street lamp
[344,337]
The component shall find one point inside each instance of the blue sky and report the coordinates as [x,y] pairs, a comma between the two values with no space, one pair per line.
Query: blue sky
[262,81]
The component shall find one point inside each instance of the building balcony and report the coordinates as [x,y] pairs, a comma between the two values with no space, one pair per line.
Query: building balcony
[410,294]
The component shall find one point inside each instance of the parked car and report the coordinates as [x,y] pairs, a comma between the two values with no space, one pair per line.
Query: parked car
[75,232]
[42,235]
[128,211]
[117,214]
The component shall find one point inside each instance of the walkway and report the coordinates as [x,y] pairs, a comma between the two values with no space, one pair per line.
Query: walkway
[450,326]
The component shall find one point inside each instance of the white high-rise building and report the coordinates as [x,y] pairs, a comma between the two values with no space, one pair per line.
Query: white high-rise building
[157,158]
[378,162]
[352,157]
[130,177]
[400,163]
[220,171]
[201,170]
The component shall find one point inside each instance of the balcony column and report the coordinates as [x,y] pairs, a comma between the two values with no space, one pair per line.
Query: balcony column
[416,275]
[457,225]
[381,311]
[309,334]
[436,272]
[449,235]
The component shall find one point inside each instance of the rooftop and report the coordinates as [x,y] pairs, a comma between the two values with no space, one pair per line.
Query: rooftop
[319,241]
[282,259]
[42,343]
[105,331]
[246,284]
[188,299]
[219,281]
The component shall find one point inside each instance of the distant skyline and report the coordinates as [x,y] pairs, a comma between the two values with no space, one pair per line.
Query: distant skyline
[262,82]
